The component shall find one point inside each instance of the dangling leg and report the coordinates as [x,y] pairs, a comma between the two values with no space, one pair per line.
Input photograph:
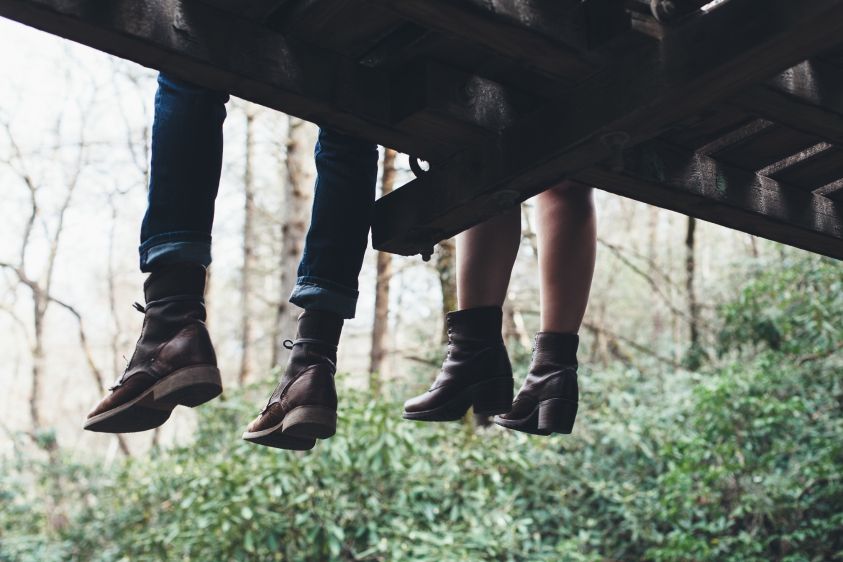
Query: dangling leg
[567,239]
[477,371]
[174,361]
[304,404]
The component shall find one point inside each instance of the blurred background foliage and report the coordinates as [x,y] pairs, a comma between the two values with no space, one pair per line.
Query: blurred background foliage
[738,460]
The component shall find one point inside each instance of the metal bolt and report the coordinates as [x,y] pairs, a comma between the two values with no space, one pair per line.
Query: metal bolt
[615,141]
[467,92]
[507,197]
[663,10]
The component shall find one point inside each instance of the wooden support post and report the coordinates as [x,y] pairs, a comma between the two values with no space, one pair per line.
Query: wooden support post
[643,95]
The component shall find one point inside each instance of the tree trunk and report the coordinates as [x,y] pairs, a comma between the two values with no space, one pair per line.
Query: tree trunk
[655,275]
[248,250]
[298,189]
[381,321]
[694,356]
[446,266]
[40,308]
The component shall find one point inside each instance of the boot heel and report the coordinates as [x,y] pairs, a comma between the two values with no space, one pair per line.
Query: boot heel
[310,422]
[557,415]
[190,386]
[493,396]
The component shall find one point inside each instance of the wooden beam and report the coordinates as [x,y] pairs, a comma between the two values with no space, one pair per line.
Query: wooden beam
[254,10]
[807,97]
[707,58]
[453,107]
[212,48]
[346,27]
[764,143]
[702,187]
[818,168]
[532,32]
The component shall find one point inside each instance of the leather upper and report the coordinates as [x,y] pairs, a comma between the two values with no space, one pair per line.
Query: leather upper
[308,379]
[553,374]
[476,353]
[174,334]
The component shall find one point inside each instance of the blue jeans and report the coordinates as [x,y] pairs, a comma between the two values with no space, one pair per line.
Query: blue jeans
[185,174]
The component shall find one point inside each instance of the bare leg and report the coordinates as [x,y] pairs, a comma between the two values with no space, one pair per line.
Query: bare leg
[485,256]
[567,241]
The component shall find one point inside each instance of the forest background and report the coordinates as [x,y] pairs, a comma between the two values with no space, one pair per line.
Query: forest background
[711,415]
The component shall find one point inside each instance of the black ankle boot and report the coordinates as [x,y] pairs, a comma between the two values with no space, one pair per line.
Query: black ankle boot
[476,372]
[547,403]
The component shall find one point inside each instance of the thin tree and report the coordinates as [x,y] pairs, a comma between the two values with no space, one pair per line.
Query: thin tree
[40,288]
[695,353]
[384,268]
[298,189]
[249,242]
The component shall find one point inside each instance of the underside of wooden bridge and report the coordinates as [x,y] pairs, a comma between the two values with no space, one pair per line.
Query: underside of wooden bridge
[730,112]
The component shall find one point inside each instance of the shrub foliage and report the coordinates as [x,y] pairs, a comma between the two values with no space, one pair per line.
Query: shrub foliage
[740,461]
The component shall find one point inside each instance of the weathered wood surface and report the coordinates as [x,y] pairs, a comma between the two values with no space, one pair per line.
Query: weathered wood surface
[697,185]
[712,57]
[515,29]
[807,97]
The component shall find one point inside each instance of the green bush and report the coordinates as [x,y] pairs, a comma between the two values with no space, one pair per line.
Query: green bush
[739,462]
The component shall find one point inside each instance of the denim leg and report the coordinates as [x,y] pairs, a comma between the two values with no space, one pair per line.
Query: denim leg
[343,204]
[184,175]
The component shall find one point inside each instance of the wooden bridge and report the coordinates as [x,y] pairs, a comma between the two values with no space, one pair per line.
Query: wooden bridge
[730,112]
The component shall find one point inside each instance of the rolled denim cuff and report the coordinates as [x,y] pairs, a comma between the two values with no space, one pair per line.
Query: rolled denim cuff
[312,293]
[175,247]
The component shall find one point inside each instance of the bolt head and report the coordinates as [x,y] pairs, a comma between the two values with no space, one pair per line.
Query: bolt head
[663,10]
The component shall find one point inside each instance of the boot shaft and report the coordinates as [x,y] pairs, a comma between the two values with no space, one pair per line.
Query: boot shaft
[174,317]
[553,348]
[175,280]
[480,326]
[317,337]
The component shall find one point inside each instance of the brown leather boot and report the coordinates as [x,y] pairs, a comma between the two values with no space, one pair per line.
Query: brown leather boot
[174,361]
[476,372]
[303,407]
[547,403]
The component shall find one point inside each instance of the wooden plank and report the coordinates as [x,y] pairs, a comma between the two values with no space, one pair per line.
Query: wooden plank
[530,32]
[818,169]
[453,107]
[767,145]
[254,10]
[412,42]
[707,126]
[700,186]
[833,191]
[807,97]
[707,58]
[346,27]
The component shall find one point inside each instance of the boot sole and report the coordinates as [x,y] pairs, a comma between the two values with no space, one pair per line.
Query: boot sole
[277,440]
[556,415]
[191,387]
[299,429]
[488,398]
